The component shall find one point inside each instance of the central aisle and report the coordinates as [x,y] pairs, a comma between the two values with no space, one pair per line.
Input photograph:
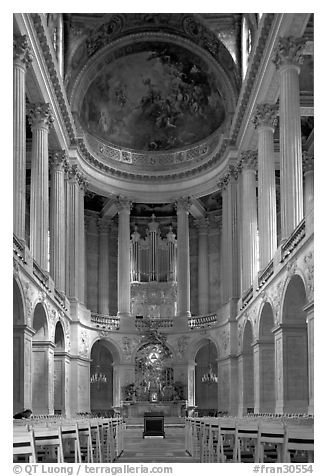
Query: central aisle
[155,449]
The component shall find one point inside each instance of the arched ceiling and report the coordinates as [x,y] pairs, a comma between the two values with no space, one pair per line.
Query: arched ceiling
[152,95]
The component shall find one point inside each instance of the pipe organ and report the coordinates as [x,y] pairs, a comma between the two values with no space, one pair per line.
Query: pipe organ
[153,272]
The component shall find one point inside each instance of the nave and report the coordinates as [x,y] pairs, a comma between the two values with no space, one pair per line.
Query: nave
[252,439]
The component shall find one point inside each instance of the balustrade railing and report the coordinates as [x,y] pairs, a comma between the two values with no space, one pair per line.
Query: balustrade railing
[247,296]
[19,249]
[207,320]
[266,274]
[292,242]
[102,320]
[41,275]
[154,323]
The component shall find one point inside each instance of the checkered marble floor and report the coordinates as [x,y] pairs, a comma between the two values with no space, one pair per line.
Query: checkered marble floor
[155,449]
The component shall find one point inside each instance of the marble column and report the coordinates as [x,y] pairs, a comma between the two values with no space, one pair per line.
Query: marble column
[81,243]
[230,235]
[203,266]
[287,60]
[43,378]
[241,407]
[75,263]
[264,376]
[308,166]
[103,286]
[124,280]
[183,258]
[191,384]
[22,59]
[265,121]
[248,164]
[58,162]
[40,118]
[92,260]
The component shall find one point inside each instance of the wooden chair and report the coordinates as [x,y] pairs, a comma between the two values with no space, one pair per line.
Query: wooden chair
[108,449]
[24,446]
[213,442]
[227,437]
[246,440]
[271,441]
[204,440]
[48,444]
[84,434]
[298,439]
[71,443]
[95,439]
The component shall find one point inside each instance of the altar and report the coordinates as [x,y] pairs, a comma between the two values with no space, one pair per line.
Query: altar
[137,409]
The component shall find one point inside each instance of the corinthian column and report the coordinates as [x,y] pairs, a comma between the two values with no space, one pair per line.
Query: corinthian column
[75,263]
[22,60]
[103,287]
[183,258]
[203,266]
[308,166]
[40,118]
[287,59]
[58,162]
[124,284]
[248,164]
[265,121]
[230,233]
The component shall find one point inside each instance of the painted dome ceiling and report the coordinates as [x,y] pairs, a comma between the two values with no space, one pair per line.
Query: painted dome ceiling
[152,97]
[156,96]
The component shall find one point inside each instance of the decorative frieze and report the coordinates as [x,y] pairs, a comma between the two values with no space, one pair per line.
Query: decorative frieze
[58,160]
[265,115]
[309,274]
[83,350]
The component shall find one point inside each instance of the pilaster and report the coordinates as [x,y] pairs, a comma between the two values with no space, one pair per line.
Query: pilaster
[124,284]
[203,265]
[183,206]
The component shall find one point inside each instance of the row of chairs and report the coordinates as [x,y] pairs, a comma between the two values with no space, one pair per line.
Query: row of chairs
[235,440]
[90,441]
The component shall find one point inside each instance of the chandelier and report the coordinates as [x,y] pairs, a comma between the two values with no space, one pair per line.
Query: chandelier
[98,377]
[210,376]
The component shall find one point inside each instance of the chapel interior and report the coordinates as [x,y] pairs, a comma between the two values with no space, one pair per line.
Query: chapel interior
[163,200]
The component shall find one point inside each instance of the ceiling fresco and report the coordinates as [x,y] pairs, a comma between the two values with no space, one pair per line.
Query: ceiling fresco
[158,96]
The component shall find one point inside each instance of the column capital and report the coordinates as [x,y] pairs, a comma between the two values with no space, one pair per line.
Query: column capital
[202,224]
[183,205]
[231,172]
[307,161]
[22,50]
[288,51]
[40,115]
[58,160]
[248,160]
[265,115]
[123,205]
[74,174]
[103,225]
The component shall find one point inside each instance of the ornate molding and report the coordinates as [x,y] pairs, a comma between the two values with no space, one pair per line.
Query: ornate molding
[29,295]
[182,344]
[307,162]
[40,115]
[83,350]
[309,274]
[289,51]
[22,51]
[265,115]
[123,205]
[276,296]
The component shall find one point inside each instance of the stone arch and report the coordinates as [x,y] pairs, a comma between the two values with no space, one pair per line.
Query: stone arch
[266,360]
[206,359]
[40,323]
[22,350]
[102,376]
[247,368]
[18,303]
[42,363]
[294,338]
